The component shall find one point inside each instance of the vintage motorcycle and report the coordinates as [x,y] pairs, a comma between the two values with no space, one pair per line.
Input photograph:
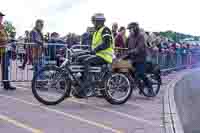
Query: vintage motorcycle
[152,72]
[51,84]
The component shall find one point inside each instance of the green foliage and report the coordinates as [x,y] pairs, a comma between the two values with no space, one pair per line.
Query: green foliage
[177,37]
[169,34]
[9,27]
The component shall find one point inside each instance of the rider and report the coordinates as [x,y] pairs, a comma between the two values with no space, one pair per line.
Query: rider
[137,53]
[102,46]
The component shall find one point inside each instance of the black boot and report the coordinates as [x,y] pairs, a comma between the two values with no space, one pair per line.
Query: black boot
[8,87]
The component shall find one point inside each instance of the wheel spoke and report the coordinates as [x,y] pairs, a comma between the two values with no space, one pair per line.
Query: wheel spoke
[112,93]
[122,84]
[119,87]
[54,84]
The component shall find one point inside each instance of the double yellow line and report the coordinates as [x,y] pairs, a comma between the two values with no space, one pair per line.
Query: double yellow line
[19,124]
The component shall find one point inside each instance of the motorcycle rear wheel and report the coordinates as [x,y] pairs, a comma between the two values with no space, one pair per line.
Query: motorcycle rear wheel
[63,90]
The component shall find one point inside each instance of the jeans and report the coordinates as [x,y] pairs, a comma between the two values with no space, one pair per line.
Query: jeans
[5,65]
[37,65]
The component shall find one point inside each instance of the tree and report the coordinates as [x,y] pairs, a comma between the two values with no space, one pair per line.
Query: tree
[9,27]
[177,37]
[169,34]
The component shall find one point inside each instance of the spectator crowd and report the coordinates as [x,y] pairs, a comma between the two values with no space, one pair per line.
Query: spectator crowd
[159,49]
[154,41]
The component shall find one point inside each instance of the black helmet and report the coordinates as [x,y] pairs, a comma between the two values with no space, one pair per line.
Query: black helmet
[98,17]
[133,25]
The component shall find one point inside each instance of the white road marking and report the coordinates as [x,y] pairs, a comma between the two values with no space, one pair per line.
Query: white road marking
[64,114]
[107,110]
[118,113]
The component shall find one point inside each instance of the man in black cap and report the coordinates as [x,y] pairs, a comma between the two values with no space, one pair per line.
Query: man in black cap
[137,53]
[4,56]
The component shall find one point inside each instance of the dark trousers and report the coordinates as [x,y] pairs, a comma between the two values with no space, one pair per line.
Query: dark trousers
[37,64]
[4,67]
[87,61]
[93,60]
[140,73]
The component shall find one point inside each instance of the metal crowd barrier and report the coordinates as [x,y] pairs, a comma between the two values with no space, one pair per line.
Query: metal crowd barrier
[20,60]
[168,60]
[16,54]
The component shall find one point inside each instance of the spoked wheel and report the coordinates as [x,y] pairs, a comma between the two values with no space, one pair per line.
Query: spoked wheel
[155,81]
[51,86]
[118,89]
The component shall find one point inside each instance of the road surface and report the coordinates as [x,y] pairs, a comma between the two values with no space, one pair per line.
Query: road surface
[187,98]
[21,113]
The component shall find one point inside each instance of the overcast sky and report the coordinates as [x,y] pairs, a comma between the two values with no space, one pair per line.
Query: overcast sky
[66,16]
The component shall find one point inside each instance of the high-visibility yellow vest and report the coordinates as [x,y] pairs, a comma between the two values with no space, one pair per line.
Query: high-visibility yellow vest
[97,40]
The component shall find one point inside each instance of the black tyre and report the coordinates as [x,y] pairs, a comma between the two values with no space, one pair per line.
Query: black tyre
[158,79]
[117,82]
[156,84]
[54,79]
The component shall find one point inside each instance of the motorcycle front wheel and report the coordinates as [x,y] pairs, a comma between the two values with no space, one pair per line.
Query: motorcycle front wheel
[118,89]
